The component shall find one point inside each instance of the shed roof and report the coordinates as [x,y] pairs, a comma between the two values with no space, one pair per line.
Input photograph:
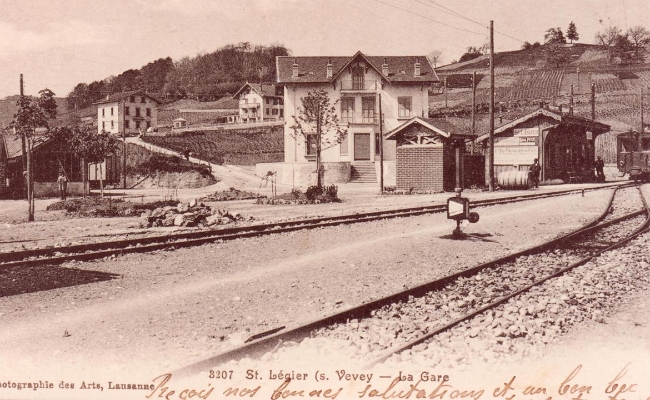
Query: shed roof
[14,145]
[593,126]
[436,125]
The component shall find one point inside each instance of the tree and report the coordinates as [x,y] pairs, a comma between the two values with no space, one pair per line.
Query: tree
[639,36]
[90,147]
[572,32]
[32,113]
[434,57]
[607,38]
[554,36]
[318,123]
[554,55]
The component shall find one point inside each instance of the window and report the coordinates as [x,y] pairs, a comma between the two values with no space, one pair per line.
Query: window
[103,112]
[132,99]
[358,75]
[368,109]
[275,111]
[143,100]
[148,124]
[310,144]
[148,112]
[404,107]
[267,111]
[127,124]
[137,124]
[347,109]
[103,125]
[137,111]
[344,145]
[111,111]
[127,111]
[112,124]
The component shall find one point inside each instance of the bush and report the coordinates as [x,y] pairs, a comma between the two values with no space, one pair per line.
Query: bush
[296,194]
[313,192]
[331,192]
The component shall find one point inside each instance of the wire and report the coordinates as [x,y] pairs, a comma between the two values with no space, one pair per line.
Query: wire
[430,19]
[449,11]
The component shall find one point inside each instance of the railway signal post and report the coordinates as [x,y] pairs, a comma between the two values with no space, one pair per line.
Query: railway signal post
[458,209]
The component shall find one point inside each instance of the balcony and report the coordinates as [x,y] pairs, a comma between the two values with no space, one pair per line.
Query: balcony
[360,85]
[360,119]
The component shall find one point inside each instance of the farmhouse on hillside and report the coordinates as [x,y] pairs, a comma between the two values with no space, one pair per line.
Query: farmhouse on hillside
[127,113]
[360,86]
[563,143]
[260,102]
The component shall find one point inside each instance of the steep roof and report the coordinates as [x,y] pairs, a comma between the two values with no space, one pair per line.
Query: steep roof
[263,89]
[123,95]
[436,125]
[314,69]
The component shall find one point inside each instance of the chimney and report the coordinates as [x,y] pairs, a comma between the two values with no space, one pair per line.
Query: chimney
[295,68]
[417,68]
[384,67]
[329,68]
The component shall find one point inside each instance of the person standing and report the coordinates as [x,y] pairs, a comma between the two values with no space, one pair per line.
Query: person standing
[63,185]
[533,172]
[600,165]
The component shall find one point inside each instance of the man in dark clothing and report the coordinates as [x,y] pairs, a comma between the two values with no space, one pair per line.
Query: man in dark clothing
[600,164]
[533,172]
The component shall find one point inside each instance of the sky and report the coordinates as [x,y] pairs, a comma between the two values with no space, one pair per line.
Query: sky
[58,44]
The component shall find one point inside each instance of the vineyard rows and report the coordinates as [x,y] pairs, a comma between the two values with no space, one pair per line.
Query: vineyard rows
[232,147]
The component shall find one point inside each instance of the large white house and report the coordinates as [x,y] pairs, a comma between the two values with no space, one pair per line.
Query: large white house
[361,86]
[130,112]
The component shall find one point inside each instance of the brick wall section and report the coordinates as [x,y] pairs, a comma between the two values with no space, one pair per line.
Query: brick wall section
[420,168]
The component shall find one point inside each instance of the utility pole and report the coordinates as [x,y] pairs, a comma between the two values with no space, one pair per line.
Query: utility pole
[123,156]
[490,154]
[473,108]
[571,104]
[381,148]
[642,130]
[593,101]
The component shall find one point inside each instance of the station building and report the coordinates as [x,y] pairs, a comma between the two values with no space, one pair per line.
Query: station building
[563,144]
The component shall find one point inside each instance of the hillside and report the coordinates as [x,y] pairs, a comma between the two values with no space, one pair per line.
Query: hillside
[524,80]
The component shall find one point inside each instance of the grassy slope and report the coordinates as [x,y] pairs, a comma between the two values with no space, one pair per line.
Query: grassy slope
[239,147]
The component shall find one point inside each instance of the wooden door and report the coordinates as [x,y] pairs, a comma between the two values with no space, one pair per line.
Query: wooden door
[362,146]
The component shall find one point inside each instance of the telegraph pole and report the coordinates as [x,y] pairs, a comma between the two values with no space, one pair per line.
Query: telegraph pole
[381,148]
[641,133]
[123,156]
[473,108]
[490,154]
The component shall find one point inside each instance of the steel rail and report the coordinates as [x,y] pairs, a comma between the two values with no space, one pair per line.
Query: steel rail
[263,342]
[90,251]
[502,300]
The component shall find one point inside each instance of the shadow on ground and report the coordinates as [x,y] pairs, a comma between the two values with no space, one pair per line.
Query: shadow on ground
[473,237]
[21,280]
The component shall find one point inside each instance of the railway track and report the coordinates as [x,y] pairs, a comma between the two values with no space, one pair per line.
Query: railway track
[90,251]
[396,324]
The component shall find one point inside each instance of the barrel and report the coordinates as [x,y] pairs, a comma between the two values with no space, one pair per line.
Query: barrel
[514,180]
